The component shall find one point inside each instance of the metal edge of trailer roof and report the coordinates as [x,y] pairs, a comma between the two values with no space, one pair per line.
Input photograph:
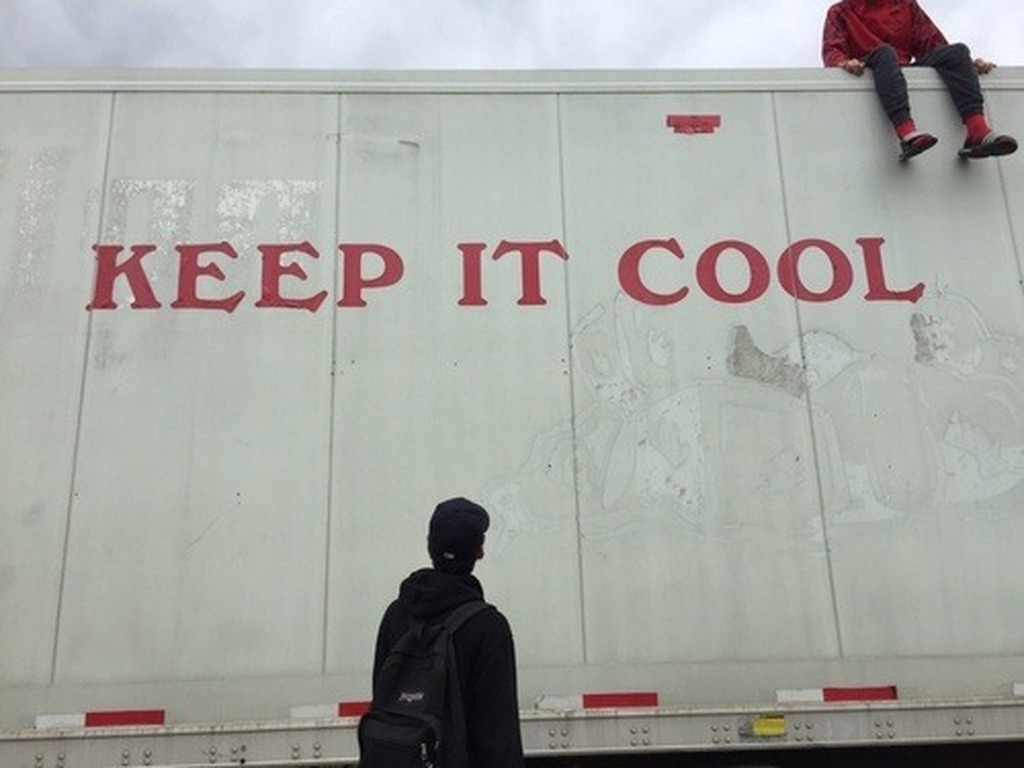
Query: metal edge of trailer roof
[461,81]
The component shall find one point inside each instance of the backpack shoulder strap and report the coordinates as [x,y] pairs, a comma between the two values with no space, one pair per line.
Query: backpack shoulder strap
[463,613]
[456,744]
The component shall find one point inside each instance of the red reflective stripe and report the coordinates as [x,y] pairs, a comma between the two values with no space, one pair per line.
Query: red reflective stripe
[870,693]
[618,700]
[353,708]
[693,123]
[125,717]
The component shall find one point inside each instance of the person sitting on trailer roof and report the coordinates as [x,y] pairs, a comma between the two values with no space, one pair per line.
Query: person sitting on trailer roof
[886,35]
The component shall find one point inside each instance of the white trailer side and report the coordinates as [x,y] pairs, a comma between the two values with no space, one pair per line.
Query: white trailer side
[744,395]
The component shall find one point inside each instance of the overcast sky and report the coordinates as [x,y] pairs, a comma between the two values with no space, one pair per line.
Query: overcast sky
[456,34]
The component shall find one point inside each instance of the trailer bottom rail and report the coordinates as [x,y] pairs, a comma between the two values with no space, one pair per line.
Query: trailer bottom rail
[547,736]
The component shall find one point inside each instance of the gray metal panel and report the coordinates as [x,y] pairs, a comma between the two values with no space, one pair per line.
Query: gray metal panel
[1007,114]
[51,153]
[458,400]
[699,511]
[924,399]
[196,542]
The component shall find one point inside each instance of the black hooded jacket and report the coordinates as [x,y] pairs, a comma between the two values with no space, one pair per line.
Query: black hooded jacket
[485,656]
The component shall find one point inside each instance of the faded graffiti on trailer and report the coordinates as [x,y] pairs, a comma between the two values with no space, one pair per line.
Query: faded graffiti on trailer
[894,438]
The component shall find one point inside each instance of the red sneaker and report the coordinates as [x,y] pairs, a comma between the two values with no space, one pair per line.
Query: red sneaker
[993,145]
[916,143]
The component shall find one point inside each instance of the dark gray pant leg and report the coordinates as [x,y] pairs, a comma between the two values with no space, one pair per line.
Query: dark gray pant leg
[956,68]
[890,84]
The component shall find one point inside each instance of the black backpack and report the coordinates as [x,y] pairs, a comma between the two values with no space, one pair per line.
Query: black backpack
[416,719]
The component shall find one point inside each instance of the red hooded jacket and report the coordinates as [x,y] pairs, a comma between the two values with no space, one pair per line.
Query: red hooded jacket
[854,28]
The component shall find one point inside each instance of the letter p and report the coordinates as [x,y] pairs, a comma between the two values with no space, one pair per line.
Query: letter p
[354,280]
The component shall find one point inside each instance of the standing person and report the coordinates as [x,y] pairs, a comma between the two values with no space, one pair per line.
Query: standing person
[484,650]
[886,35]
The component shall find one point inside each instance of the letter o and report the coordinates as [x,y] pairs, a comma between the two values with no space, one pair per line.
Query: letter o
[789,274]
[707,272]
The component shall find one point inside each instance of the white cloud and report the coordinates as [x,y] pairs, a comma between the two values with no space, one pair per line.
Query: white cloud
[440,34]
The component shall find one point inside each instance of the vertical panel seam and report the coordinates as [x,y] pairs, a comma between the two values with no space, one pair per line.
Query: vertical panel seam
[76,445]
[570,366]
[810,410]
[1014,241]
[332,405]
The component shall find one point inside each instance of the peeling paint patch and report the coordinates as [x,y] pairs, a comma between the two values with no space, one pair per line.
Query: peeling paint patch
[747,361]
[170,205]
[240,200]
[293,204]
[37,217]
[928,340]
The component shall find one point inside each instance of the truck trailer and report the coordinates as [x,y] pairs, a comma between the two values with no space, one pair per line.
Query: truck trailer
[743,394]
